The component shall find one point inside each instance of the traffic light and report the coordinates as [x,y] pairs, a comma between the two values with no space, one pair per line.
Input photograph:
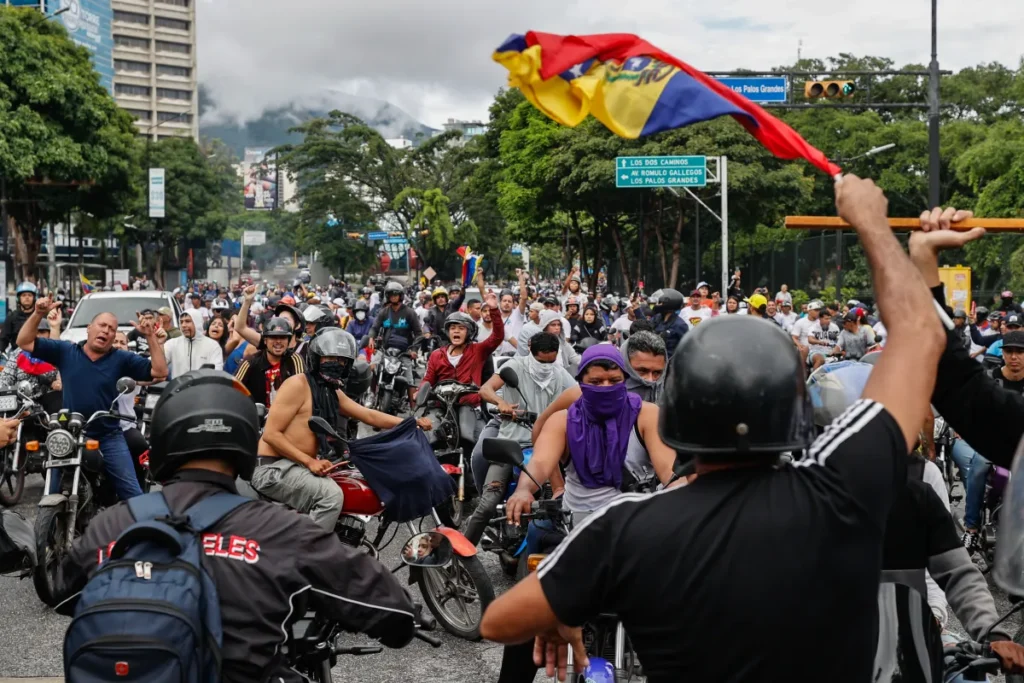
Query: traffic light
[828,89]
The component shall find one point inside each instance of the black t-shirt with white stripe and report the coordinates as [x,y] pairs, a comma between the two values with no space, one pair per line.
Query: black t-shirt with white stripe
[746,574]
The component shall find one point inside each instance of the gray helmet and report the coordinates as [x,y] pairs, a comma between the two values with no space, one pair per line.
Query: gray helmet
[459,318]
[332,342]
[394,288]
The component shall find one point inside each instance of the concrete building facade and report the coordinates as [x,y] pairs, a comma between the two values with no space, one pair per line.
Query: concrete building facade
[155,65]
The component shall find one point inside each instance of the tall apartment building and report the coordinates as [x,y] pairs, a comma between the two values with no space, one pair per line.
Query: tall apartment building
[155,65]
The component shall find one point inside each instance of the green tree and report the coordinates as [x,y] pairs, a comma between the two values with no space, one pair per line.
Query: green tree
[196,209]
[65,146]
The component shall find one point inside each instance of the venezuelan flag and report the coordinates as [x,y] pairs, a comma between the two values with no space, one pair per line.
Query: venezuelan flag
[635,89]
[470,264]
[87,286]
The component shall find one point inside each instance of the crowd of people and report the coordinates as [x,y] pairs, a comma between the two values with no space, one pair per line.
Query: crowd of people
[677,431]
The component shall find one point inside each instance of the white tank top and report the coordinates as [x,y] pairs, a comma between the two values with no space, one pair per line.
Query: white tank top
[579,498]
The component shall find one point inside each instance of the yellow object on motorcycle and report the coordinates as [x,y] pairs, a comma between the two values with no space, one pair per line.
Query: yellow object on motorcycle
[32,446]
[533,560]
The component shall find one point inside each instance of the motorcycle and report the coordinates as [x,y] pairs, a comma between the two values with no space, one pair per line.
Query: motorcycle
[995,485]
[149,396]
[17,461]
[442,404]
[943,439]
[604,637]
[449,591]
[392,386]
[63,516]
[312,648]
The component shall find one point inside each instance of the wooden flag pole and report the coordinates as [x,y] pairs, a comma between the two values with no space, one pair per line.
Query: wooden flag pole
[836,223]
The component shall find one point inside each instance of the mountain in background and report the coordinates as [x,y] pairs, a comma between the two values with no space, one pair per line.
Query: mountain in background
[271,129]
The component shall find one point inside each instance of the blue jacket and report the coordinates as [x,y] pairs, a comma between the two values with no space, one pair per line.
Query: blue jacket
[671,330]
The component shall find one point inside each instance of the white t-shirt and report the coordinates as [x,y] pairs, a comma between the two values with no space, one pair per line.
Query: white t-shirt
[803,328]
[694,317]
[454,360]
[786,321]
[881,333]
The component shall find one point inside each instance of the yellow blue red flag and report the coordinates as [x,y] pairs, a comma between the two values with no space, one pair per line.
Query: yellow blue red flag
[470,264]
[87,286]
[635,89]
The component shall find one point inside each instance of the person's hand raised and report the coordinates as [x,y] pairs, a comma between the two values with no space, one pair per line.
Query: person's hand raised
[45,305]
[861,203]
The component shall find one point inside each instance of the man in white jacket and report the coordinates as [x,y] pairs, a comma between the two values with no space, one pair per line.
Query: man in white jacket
[192,349]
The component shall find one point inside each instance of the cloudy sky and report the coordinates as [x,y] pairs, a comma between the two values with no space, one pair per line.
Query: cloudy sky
[432,58]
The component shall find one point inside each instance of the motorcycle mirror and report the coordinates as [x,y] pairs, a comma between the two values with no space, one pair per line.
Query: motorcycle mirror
[509,376]
[261,410]
[125,385]
[24,389]
[318,425]
[1009,565]
[503,452]
[422,395]
[429,549]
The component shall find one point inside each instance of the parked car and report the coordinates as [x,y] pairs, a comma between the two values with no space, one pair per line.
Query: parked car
[125,305]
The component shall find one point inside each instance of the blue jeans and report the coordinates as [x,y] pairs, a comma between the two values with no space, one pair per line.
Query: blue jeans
[117,460]
[974,471]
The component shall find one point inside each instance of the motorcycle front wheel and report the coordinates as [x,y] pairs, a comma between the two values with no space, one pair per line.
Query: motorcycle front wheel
[12,482]
[51,544]
[386,402]
[457,595]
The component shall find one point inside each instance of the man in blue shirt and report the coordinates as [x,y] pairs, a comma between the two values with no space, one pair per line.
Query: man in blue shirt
[89,372]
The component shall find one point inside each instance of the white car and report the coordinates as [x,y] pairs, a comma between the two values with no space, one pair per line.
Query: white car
[125,305]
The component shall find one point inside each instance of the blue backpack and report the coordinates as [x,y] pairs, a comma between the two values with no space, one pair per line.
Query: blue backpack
[150,612]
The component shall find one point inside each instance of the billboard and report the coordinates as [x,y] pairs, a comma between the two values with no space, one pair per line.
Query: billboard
[89,24]
[259,174]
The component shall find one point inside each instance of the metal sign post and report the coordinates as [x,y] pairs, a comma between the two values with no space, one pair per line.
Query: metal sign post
[720,176]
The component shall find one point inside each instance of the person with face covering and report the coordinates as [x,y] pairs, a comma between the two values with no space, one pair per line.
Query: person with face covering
[193,349]
[601,441]
[541,381]
[644,360]
[553,322]
[290,467]
[359,324]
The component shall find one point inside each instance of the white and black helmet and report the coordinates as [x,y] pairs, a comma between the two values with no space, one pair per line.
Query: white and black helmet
[394,288]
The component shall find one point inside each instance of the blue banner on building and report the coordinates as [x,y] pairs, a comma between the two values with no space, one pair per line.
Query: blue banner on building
[89,23]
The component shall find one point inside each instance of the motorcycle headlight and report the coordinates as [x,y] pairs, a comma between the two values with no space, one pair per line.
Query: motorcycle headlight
[8,403]
[392,366]
[151,401]
[60,444]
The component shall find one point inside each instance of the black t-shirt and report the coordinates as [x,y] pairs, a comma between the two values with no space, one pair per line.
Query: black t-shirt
[764,574]
[1018,386]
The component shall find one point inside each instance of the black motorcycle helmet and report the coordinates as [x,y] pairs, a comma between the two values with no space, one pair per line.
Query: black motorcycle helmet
[331,342]
[981,313]
[392,288]
[278,327]
[666,301]
[735,387]
[203,414]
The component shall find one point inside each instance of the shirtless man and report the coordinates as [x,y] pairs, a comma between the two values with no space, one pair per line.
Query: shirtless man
[289,469]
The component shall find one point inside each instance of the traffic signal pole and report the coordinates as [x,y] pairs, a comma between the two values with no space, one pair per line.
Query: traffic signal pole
[934,198]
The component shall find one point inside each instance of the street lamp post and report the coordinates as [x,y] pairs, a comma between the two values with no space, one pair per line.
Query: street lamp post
[839,233]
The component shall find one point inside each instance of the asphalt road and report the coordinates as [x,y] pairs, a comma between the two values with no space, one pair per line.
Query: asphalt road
[32,635]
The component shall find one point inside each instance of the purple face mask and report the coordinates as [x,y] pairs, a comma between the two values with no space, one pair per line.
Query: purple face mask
[597,427]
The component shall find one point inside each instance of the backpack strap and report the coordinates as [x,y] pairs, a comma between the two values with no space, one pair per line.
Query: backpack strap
[212,509]
[149,506]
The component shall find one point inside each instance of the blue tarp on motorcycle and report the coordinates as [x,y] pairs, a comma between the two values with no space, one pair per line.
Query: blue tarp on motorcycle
[400,467]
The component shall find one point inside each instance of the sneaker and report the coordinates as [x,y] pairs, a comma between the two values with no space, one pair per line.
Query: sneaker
[971,542]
